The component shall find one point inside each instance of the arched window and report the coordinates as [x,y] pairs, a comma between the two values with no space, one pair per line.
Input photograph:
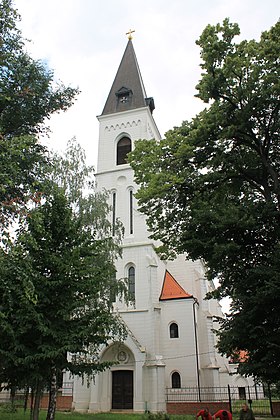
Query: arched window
[174,331]
[131,281]
[123,148]
[176,380]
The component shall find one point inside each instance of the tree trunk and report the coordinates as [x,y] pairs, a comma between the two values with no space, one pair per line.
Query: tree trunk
[26,396]
[12,398]
[52,396]
[36,408]
[31,402]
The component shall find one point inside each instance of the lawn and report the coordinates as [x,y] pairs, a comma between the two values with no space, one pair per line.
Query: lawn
[20,415]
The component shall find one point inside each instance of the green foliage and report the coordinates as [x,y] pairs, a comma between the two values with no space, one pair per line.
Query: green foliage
[55,297]
[211,189]
[58,281]
[28,92]
[76,178]
[29,95]
[10,34]
[21,176]
[71,173]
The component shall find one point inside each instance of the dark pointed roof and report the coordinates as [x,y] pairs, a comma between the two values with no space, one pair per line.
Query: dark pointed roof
[128,91]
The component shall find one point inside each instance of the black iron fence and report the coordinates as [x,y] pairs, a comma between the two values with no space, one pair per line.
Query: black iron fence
[195,394]
[258,397]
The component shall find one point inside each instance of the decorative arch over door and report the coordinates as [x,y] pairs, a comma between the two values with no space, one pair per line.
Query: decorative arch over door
[117,383]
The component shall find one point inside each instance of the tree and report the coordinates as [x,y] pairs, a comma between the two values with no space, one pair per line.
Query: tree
[211,189]
[56,299]
[69,219]
[29,92]
[29,95]
[21,177]
[71,173]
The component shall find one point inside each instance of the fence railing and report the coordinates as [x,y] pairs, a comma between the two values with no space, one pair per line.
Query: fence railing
[65,390]
[257,397]
[226,393]
[195,394]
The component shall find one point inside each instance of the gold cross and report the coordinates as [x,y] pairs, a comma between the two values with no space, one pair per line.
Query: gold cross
[129,33]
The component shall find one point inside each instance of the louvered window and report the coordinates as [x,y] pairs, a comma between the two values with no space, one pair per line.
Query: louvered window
[123,148]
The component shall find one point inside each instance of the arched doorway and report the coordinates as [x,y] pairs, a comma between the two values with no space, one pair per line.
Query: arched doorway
[122,389]
[117,385]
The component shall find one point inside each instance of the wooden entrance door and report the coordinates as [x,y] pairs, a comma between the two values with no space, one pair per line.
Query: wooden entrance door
[122,390]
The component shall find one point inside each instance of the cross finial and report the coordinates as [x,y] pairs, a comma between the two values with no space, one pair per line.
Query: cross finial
[129,33]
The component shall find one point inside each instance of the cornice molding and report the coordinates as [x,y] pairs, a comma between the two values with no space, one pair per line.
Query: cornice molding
[122,126]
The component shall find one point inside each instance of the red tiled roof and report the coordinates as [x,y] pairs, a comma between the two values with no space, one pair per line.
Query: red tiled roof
[243,356]
[171,289]
[240,357]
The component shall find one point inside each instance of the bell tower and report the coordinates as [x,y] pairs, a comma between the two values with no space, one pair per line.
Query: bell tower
[126,117]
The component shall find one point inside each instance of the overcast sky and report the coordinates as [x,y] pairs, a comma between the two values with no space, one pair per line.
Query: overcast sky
[83,42]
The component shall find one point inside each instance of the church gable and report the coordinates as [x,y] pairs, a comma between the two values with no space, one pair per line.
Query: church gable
[171,289]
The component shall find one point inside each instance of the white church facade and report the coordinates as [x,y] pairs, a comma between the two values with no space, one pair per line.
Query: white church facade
[170,342]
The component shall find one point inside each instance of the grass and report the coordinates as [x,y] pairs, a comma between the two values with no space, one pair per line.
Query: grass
[20,415]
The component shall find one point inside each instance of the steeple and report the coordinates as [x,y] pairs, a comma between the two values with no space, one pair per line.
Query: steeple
[128,91]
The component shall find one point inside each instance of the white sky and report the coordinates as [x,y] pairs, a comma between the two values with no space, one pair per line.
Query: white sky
[83,42]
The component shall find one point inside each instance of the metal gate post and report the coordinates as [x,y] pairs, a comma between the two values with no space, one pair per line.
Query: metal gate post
[229,399]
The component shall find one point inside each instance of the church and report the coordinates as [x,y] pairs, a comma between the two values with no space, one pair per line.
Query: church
[170,343]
